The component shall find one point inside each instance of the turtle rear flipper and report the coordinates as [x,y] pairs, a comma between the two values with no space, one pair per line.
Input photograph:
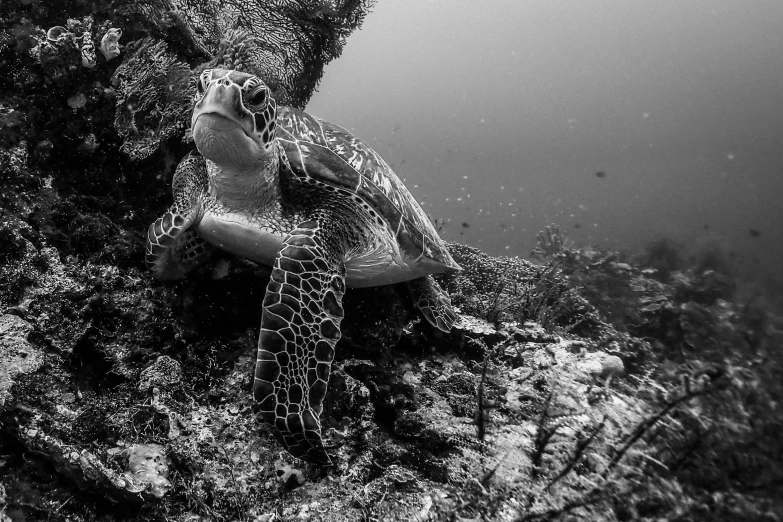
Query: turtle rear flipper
[434,302]
[300,326]
[173,249]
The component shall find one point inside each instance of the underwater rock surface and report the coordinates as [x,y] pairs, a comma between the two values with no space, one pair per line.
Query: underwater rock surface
[588,387]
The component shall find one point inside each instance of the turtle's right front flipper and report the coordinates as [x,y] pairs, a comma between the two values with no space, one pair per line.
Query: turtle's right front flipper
[173,249]
[300,326]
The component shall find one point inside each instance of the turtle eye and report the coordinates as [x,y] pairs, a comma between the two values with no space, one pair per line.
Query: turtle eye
[257,97]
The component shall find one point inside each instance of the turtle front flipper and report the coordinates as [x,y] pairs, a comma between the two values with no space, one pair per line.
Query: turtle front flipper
[173,249]
[434,302]
[300,326]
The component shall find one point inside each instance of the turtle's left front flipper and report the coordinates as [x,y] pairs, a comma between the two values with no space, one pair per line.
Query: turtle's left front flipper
[300,326]
[173,247]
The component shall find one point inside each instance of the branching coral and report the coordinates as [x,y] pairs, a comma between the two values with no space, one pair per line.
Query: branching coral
[153,96]
[552,244]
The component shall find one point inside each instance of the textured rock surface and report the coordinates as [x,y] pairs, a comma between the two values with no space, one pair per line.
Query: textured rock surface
[17,356]
[128,399]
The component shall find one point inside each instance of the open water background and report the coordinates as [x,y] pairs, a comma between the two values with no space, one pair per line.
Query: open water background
[500,115]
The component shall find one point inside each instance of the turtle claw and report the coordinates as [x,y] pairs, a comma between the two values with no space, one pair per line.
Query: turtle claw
[433,302]
[172,249]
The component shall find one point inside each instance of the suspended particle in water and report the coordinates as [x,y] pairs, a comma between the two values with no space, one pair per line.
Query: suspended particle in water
[600,174]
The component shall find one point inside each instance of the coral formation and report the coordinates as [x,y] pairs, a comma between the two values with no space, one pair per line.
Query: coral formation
[296,38]
[110,46]
[153,98]
[599,390]
[147,469]
[285,43]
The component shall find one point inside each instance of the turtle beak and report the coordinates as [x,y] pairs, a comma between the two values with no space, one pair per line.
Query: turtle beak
[224,99]
[220,129]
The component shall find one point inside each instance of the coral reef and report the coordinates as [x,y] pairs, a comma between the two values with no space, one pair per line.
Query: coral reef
[110,46]
[295,38]
[287,43]
[588,388]
[153,98]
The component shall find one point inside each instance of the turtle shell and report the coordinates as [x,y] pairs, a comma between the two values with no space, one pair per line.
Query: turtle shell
[328,153]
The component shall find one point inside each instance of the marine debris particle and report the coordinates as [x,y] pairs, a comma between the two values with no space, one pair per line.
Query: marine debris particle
[754,232]
[600,174]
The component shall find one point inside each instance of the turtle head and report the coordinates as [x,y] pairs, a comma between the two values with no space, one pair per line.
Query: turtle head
[233,120]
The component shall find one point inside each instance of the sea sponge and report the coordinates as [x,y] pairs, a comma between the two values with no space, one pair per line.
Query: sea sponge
[110,46]
[57,33]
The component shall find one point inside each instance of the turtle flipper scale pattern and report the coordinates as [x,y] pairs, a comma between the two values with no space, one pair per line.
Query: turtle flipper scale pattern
[172,248]
[434,303]
[165,239]
[300,327]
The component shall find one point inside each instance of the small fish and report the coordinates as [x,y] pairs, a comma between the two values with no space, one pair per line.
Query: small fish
[465,224]
[577,225]
[754,232]
[600,174]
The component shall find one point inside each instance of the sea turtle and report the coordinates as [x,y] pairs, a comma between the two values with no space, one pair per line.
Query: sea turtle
[286,189]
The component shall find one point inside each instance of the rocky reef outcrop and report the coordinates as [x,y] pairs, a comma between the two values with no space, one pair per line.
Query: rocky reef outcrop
[588,387]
